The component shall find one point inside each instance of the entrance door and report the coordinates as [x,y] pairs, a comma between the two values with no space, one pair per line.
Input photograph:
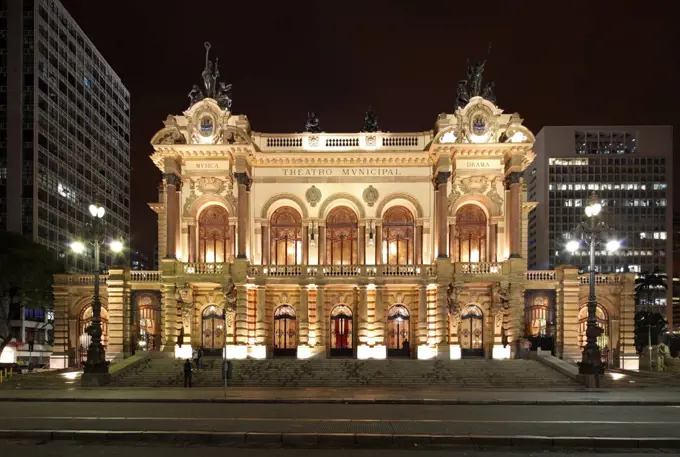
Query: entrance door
[471,332]
[398,329]
[213,328]
[285,332]
[341,332]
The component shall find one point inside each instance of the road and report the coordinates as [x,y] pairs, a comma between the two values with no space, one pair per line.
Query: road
[61,449]
[541,420]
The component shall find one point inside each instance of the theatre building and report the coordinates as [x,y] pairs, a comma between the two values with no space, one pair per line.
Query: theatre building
[365,245]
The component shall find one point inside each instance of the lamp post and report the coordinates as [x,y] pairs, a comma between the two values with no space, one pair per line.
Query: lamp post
[96,368]
[592,233]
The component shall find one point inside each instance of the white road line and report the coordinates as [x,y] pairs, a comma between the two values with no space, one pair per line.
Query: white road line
[268,419]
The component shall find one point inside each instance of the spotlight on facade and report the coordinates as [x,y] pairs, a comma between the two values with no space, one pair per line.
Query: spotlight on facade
[573,246]
[78,247]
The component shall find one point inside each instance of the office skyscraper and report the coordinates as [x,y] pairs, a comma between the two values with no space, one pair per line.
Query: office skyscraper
[64,129]
[630,169]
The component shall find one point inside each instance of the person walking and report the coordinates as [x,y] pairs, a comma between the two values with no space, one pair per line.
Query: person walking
[187,373]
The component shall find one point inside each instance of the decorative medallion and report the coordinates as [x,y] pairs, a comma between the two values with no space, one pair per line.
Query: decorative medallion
[283,298]
[479,126]
[314,141]
[206,126]
[313,196]
[370,140]
[539,301]
[371,195]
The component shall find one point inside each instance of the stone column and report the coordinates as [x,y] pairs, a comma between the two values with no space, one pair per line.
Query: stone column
[418,254]
[192,242]
[242,315]
[378,245]
[379,332]
[452,232]
[169,317]
[244,183]
[362,245]
[60,350]
[304,316]
[422,314]
[321,243]
[515,186]
[442,324]
[117,307]
[567,312]
[441,180]
[260,316]
[265,244]
[321,316]
[172,183]
[305,244]
[362,315]
[493,243]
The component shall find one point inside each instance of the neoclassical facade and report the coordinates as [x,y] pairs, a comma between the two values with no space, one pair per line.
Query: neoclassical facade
[368,245]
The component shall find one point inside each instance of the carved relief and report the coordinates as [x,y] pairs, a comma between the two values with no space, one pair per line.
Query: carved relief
[314,141]
[454,195]
[480,124]
[370,140]
[210,185]
[230,293]
[495,197]
[171,136]
[313,196]
[371,195]
[474,184]
[185,302]
[191,198]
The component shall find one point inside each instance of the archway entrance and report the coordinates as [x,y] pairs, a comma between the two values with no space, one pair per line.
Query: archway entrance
[603,322]
[147,324]
[213,328]
[398,332]
[341,331]
[285,332]
[84,337]
[471,332]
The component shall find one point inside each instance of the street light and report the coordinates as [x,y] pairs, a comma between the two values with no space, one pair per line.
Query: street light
[591,233]
[96,368]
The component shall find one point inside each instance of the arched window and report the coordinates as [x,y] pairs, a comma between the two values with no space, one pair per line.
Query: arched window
[398,230]
[471,332]
[602,322]
[84,338]
[342,235]
[148,322]
[213,328]
[215,236]
[470,237]
[398,331]
[537,317]
[285,331]
[286,237]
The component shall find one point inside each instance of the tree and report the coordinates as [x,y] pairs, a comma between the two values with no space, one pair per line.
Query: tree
[649,286]
[26,272]
[647,322]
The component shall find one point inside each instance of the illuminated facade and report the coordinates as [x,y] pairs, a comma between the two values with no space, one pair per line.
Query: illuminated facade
[367,245]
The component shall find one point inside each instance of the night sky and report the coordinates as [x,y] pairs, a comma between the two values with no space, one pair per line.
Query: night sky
[592,62]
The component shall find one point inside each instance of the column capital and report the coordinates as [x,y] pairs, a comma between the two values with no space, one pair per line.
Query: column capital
[243,179]
[171,179]
[440,178]
[513,178]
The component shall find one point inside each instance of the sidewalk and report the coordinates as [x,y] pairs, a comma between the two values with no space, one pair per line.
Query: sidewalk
[322,395]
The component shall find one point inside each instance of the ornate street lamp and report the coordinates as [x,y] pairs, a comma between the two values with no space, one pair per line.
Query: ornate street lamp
[592,232]
[96,368]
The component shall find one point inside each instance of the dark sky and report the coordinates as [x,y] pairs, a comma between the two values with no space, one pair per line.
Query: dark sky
[591,62]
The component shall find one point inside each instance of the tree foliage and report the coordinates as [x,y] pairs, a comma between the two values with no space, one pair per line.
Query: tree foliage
[647,322]
[26,271]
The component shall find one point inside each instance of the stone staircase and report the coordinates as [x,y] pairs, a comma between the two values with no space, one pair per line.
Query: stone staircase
[470,373]
[156,372]
[62,379]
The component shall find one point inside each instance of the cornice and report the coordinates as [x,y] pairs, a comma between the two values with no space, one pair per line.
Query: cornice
[348,159]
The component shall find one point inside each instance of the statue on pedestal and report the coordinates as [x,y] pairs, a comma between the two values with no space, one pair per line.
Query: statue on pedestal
[312,125]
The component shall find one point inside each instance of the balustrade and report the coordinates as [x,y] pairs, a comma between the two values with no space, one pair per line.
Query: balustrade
[145,276]
[202,268]
[541,275]
[342,270]
[600,279]
[479,268]
[81,279]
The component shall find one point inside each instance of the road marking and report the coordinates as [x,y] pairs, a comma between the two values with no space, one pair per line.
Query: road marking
[269,419]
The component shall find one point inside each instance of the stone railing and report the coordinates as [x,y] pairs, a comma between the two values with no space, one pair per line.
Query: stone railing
[540,275]
[203,268]
[600,279]
[145,276]
[343,270]
[479,268]
[79,279]
[342,141]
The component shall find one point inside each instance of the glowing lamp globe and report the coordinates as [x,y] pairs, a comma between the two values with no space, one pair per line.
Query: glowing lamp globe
[78,247]
[613,245]
[116,246]
[573,246]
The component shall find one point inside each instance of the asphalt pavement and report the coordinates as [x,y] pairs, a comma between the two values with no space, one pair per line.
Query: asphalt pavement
[258,420]
[61,449]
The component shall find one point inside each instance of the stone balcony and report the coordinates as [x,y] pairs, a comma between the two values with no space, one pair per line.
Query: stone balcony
[340,273]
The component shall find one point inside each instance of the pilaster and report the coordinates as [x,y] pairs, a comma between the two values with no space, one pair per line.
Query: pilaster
[304,316]
[571,288]
[379,316]
[422,314]
[628,357]
[362,312]
[260,323]
[241,315]
[59,357]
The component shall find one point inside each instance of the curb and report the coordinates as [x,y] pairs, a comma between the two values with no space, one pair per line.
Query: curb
[348,401]
[340,440]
